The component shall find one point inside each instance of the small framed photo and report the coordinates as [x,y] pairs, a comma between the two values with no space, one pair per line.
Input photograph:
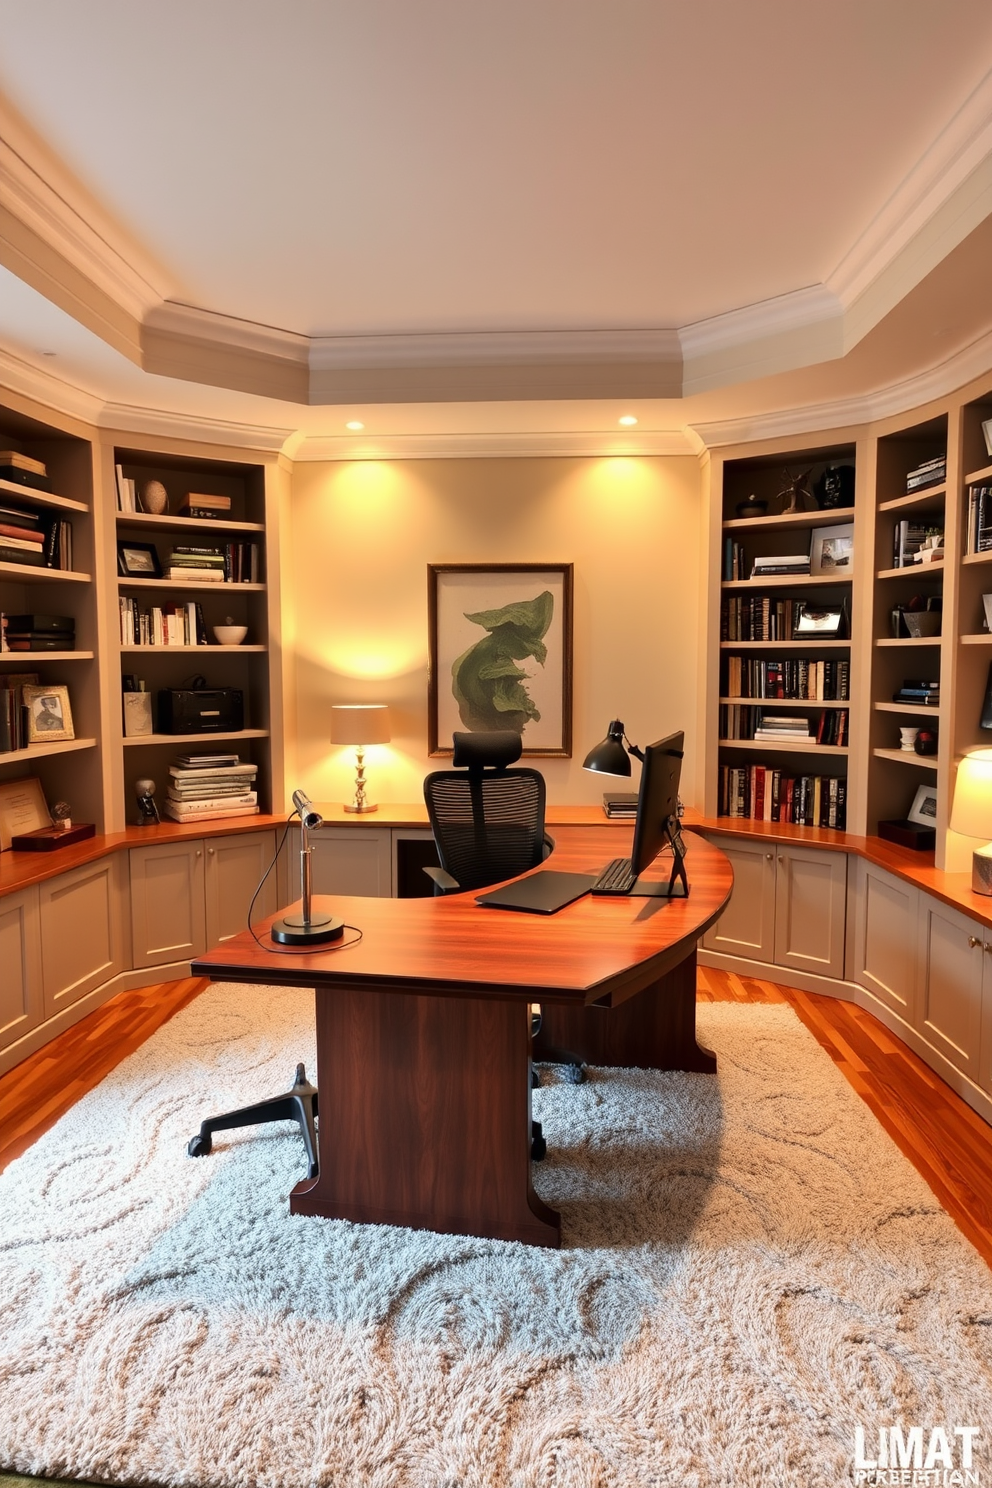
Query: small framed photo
[138,560]
[49,716]
[23,808]
[828,625]
[831,554]
[924,808]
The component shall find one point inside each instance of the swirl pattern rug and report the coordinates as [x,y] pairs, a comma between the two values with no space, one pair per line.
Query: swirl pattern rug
[750,1270]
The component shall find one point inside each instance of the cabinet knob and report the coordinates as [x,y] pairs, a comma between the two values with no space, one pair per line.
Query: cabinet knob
[988,947]
[974,941]
[210,852]
[769,856]
[199,852]
[781,860]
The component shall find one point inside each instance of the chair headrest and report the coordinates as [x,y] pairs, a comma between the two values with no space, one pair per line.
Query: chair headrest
[497,748]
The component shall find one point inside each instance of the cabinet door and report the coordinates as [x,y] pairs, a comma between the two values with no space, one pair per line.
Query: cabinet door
[167,914]
[346,860]
[747,925]
[82,930]
[810,910]
[21,1003]
[885,938]
[951,966]
[234,869]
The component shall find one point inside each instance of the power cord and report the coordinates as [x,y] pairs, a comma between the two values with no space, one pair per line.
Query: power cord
[339,945]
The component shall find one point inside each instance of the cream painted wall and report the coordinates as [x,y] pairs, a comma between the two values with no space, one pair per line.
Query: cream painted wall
[363,534]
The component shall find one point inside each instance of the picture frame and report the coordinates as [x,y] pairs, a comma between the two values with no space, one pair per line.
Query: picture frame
[529,681]
[831,553]
[49,714]
[138,560]
[924,807]
[822,624]
[23,808]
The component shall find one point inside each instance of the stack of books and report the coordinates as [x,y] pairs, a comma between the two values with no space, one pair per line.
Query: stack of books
[783,729]
[38,632]
[622,804]
[21,470]
[206,787]
[22,537]
[204,565]
[746,721]
[930,473]
[780,563]
[920,694]
[205,507]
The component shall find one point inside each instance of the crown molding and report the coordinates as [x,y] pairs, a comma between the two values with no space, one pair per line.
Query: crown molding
[128,418]
[496,446]
[41,386]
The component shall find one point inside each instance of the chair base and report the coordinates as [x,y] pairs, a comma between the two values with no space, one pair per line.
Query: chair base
[299,1104]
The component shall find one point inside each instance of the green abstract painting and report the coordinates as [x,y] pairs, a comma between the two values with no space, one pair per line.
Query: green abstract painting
[488,683]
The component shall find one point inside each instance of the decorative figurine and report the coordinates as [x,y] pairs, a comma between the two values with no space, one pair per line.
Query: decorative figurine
[147,808]
[835,488]
[796,493]
[61,814]
[154,498]
[926,742]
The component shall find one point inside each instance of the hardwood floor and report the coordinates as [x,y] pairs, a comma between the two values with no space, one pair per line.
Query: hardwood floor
[941,1136]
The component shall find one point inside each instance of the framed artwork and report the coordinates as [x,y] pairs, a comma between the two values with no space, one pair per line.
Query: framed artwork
[827,624]
[831,553]
[22,809]
[49,716]
[500,648]
[138,560]
[924,807]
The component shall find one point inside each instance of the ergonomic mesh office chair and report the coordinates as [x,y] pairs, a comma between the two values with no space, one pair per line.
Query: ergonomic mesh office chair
[488,825]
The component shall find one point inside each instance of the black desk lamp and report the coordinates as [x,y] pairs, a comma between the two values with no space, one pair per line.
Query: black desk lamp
[608,757]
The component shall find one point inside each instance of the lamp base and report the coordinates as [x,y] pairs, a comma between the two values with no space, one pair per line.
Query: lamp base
[292,930]
[364,807]
[981,871]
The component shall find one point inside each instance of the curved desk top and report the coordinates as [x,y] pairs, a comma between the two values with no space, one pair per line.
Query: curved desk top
[594,950]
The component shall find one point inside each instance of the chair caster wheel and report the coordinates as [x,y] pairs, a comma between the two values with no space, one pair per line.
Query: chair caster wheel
[198,1146]
[574,1074]
[312,1170]
[538,1146]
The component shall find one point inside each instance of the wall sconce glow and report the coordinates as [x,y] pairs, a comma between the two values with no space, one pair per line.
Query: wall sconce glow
[628,421]
[355,425]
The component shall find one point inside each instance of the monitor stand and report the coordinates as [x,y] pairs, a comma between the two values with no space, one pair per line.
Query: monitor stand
[657,889]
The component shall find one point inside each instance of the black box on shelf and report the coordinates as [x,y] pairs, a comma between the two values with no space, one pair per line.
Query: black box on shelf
[909,834]
[201,710]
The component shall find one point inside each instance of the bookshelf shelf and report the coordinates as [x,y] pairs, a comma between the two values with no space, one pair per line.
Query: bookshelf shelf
[779,581]
[916,500]
[782,746]
[202,586]
[26,573]
[184,524]
[930,642]
[977,476]
[796,646]
[903,757]
[781,703]
[984,638]
[44,751]
[32,658]
[192,650]
[41,498]
[793,519]
[145,739]
[970,558]
[931,712]
[914,570]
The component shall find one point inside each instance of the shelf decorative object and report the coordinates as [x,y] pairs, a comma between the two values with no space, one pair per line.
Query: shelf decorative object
[154,498]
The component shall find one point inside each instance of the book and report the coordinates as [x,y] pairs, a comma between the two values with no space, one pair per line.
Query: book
[14,476]
[171,810]
[18,461]
[29,556]
[206,761]
[197,575]
[207,803]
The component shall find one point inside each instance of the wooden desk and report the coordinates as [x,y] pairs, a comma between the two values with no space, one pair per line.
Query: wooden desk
[423,1034]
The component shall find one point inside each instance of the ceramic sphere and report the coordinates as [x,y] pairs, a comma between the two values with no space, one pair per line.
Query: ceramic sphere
[154,497]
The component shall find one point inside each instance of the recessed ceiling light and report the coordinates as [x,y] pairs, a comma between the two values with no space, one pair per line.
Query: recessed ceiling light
[355,425]
[48,353]
[628,420]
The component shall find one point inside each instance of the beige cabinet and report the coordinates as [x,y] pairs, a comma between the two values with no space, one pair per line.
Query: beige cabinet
[810,910]
[788,907]
[168,918]
[346,861]
[234,867]
[955,977]
[83,930]
[747,925]
[21,1002]
[884,942]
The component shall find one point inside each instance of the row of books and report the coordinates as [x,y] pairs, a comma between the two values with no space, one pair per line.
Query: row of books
[919,692]
[226,563]
[765,794]
[736,566]
[979,519]
[796,677]
[910,537]
[28,538]
[161,625]
[745,721]
[930,473]
[206,787]
[14,731]
[759,617]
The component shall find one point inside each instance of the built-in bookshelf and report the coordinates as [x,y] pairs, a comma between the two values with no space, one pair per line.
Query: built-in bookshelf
[784,674]
[63,586]
[166,621]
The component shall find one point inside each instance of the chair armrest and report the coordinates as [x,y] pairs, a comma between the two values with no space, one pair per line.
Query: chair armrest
[443,882]
[549,846]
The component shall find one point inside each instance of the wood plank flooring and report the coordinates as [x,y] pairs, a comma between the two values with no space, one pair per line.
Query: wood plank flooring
[948,1144]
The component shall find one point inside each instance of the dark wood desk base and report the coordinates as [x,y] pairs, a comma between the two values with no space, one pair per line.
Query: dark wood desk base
[438,1137]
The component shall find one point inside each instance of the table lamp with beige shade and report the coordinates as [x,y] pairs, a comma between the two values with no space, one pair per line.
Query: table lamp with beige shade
[360,724]
[971,814]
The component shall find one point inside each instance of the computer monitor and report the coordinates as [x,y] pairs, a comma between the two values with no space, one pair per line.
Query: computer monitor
[657,800]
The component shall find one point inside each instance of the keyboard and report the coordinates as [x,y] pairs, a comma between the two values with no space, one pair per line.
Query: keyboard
[616,878]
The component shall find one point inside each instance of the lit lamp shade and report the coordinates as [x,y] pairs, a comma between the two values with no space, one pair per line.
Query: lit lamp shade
[971,813]
[360,723]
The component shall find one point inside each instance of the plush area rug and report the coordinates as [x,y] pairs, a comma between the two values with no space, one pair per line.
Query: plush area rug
[750,1270]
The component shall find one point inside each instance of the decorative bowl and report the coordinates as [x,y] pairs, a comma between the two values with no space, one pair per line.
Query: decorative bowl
[230,635]
[754,506]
